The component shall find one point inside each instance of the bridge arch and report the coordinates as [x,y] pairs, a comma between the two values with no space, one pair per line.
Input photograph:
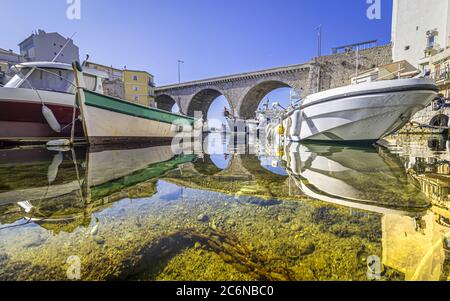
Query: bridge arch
[165,102]
[251,100]
[202,101]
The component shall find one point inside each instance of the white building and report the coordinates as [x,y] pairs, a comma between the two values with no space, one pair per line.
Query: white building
[420,29]
[7,59]
[42,46]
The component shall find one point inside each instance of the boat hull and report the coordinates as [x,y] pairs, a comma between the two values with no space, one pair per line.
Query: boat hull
[21,118]
[361,117]
[112,121]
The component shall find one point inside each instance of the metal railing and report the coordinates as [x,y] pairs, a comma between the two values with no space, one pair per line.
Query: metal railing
[442,74]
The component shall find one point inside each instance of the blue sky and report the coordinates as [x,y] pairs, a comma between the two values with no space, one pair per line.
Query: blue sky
[213,37]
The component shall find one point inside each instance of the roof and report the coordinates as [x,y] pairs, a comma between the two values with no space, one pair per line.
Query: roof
[117,69]
[43,32]
[138,71]
[104,66]
[63,66]
[54,65]
[8,51]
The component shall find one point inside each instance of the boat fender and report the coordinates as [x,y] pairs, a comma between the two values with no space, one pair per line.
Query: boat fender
[296,124]
[51,119]
[280,130]
[52,172]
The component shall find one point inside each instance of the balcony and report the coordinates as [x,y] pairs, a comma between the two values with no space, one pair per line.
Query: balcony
[442,74]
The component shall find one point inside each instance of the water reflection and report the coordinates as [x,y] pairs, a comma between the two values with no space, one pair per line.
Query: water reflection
[363,178]
[299,212]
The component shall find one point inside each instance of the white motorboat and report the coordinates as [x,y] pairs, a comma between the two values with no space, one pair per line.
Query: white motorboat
[363,112]
[38,86]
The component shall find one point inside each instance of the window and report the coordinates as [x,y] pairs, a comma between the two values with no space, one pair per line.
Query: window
[135,77]
[136,98]
[53,80]
[135,88]
[90,82]
[431,40]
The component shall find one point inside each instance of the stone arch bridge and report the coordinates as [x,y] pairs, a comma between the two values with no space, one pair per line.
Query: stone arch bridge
[245,91]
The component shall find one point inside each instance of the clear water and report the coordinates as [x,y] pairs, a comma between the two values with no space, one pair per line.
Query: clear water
[297,212]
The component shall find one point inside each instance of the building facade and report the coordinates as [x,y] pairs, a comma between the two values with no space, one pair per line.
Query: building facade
[139,87]
[7,59]
[132,85]
[420,29]
[421,36]
[43,46]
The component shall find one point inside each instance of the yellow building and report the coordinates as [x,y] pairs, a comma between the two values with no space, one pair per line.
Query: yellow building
[132,85]
[139,87]
[3,71]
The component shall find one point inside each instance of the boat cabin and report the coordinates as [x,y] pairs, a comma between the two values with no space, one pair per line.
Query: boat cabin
[54,77]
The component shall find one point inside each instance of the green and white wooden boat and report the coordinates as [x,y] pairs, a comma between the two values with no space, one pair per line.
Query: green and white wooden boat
[109,120]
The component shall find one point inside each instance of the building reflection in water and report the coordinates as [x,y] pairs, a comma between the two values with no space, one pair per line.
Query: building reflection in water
[415,235]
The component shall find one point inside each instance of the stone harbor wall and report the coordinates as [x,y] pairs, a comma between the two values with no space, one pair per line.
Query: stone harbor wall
[336,70]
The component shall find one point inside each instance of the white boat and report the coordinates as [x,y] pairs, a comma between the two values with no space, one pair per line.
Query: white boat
[363,112]
[39,84]
[109,120]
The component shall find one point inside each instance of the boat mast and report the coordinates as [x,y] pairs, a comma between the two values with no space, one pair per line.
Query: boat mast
[64,47]
[319,54]
[357,63]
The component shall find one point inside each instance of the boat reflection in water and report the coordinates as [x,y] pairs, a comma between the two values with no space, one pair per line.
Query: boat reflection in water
[303,212]
[61,189]
[356,177]
[415,240]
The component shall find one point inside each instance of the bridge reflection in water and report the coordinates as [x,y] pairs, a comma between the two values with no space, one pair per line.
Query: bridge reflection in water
[301,212]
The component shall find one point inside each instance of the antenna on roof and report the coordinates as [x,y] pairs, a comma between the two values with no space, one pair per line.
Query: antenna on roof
[64,47]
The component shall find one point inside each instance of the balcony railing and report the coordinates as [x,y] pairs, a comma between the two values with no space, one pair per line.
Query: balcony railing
[442,74]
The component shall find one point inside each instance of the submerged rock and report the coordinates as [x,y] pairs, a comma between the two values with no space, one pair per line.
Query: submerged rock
[3,257]
[38,241]
[296,227]
[307,249]
[284,219]
[203,218]
[99,240]
[231,222]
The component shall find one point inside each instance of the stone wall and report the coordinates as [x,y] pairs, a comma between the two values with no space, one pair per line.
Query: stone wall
[114,88]
[337,70]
